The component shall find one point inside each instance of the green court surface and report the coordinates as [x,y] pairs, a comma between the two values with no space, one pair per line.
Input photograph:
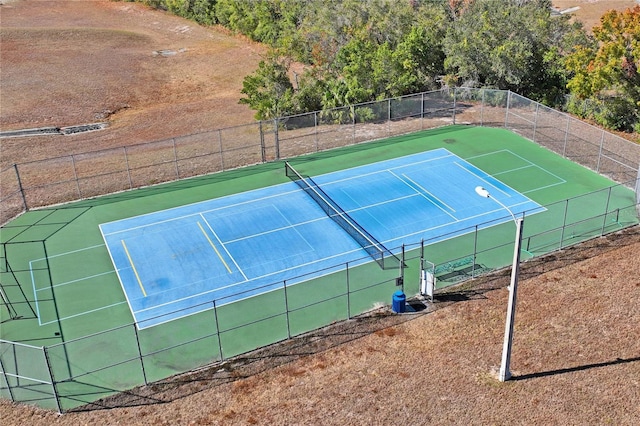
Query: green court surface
[57,260]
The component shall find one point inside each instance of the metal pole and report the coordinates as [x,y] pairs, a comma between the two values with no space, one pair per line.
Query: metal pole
[455,89]
[276,123]
[348,292]
[126,162]
[54,388]
[505,373]
[286,308]
[140,356]
[175,157]
[482,109]
[215,315]
[24,197]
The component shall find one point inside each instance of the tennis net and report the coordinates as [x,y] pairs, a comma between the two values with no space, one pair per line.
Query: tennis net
[368,242]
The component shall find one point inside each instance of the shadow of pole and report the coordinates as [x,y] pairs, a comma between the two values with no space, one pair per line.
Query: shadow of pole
[574,369]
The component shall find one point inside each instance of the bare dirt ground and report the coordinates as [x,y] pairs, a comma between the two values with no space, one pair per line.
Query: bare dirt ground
[576,361]
[590,11]
[149,74]
[576,355]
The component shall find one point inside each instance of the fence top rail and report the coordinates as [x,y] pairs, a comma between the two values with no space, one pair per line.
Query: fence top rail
[9,342]
[284,118]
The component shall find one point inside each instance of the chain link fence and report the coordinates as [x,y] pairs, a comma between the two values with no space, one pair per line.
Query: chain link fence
[75,372]
[74,177]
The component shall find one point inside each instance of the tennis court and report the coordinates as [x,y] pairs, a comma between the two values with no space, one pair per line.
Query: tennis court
[171,262]
[135,286]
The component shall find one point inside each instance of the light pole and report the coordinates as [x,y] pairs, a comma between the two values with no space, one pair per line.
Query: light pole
[505,373]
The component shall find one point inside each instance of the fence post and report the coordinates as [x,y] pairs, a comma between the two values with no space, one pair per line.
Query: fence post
[262,147]
[482,108]
[276,136]
[126,163]
[220,149]
[475,252]
[286,308]
[53,382]
[566,137]
[75,176]
[564,223]
[20,188]
[535,122]
[352,109]
[315,129]
[422,111]
[144,372]
[600,151]
[455,90]
[638,189]
[6,380]
[215,315]
[348,291]
[506,114]
[389,116]
[175,157]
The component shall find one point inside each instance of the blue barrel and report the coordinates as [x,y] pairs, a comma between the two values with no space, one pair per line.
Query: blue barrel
[398,302]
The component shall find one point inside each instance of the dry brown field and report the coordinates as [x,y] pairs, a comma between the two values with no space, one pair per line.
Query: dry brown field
[150,75]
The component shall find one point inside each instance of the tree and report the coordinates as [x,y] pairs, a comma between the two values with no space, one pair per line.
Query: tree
[606,83]
[508,44]
[269,91]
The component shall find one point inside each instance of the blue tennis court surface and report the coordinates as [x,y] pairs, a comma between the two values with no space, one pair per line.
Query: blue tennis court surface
[176,262]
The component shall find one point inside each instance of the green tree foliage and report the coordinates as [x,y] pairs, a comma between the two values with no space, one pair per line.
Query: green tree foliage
[356,51]
[269,91]
[273,22]
[509,44]
[362,51]
[605,85]
[201,11]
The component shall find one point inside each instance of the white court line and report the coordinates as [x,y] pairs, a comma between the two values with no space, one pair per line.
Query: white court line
[84,313]
[420,187]
[271,231]
[450,154]
[35,293]
[81,279]
[332,270]
[526,161]
[67,252]
[223,246]
[36,290]
[543,187]
[484,180]
[197,213]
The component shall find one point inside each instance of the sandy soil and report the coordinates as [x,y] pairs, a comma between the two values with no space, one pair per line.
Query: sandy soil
[148,74]
[576,354]
[590,11]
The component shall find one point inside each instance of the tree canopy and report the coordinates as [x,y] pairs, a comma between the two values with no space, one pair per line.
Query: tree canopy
[355,51]
[606,83]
